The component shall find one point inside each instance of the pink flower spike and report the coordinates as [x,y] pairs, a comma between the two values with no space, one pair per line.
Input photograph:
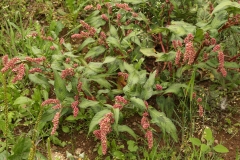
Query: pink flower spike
[10,64]
[20,70]
[55,122]
[34,70]
[104,17]
[159,87]
[5,60]
[50,101]
[149,137]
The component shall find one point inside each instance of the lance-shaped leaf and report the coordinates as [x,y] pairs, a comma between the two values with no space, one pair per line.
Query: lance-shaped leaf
[124,128]
[85,43]
[147,91]
[166,125]
[138,103]
[95,51]
[60,86]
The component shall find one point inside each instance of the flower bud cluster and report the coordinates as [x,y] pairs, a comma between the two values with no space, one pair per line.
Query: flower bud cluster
[200,107]
[123,6]
[34,70]
[124,75]
[98,7]
[109,7]
[67,72]
[88,7]
[190,53]
[178,57]
[9,64]
[119,16]
[55,122]
[74,106]
[176,44]
[36,60]
[144,121]
[104,17]
[102,39]
[159,87]
[149,136]
[50,101]
[120,102]
[146,126]
[91,30]
[105,128]
[79,87]
[5,60]
[20,72]
[217,48]
[205,56]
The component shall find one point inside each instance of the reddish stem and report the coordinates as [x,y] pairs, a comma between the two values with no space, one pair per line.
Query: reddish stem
[234,58]
[161,43]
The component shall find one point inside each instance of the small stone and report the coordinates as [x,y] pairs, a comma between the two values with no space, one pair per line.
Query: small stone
[134,123]
[78,151]
[216,141]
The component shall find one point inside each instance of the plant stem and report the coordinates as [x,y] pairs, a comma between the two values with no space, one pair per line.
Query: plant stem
[5,109]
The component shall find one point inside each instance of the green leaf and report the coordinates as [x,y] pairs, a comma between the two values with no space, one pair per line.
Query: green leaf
[149,52]
[116,115]
[96,22]
[23,100]
[21,148]
[128,67]
[219,20]
[181,28]
[231,65]
[57,141]
[114,42]
[59,86]
[70,54]
[135,1]
[138,103]
[124,128]
[158,30]
[175,88]
[36,51]
[39,79]
[4,154]
[109,59]
[204,148]
[97,118]
[102,82]
[166,57]
[88,103]
[207,134]
[113,32]
[147,91]
[85,43]
[226,5]
[132,147]
[118,155]
[220,149]
[195,141]
[65,129]
[163,122]
[48,115]
[95,51]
